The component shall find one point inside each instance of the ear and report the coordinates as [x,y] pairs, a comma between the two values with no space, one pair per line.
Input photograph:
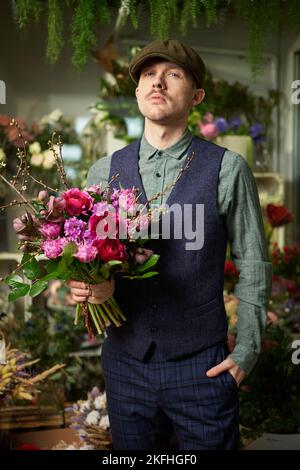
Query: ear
[136,91]
[198,96]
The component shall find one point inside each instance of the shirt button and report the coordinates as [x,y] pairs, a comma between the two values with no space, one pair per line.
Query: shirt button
[159,153]
[158,174]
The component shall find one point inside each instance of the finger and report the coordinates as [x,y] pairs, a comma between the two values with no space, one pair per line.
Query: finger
[102,288]
[80,292]
[77,284]
[78,299]
[216,370]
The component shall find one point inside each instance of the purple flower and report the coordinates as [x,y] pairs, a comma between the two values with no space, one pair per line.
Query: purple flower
[88,237]
[86,253]
[74,229]
[235,123]
[52,248]
[50,230]
[256,131]
[101,208]
[125,199]
[222,124]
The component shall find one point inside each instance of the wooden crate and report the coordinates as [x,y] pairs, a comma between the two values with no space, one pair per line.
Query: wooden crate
[30,417]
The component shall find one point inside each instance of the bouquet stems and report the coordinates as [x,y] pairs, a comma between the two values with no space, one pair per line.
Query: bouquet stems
[97,317]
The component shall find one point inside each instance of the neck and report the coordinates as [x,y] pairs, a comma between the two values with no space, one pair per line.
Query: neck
[162,136]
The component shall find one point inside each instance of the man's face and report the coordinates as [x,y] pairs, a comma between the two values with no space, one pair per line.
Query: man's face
[166,92]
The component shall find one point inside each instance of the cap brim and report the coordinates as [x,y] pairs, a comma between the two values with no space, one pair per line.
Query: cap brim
[134,70]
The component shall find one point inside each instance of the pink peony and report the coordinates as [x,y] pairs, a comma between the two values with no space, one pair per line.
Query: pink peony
[52,248]
[77,202]
[86,253]
[210,131]
[50,230]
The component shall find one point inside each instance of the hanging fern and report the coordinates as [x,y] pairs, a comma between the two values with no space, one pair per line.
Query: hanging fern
[211,11]
[133,13]
[189,13]
[161,13]
[83,36]
[55,30]
[27,9]
[102,12]
[262,17]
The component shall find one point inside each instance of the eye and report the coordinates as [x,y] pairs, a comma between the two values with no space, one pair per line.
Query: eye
[148,73]
[174,74]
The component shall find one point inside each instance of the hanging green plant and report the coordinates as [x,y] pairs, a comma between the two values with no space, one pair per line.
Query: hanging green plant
[261,17]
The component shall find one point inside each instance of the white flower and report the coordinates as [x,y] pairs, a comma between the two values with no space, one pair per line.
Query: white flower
[36,159]
[49,160]
[100,402]
[104,422]
[2,155]
[85,406]
[92,417]
[52,118]
[86,447]
[35,148]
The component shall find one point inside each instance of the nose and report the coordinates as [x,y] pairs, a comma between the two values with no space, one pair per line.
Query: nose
[159,82]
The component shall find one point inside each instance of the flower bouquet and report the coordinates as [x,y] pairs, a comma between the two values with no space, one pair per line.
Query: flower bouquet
[87,235]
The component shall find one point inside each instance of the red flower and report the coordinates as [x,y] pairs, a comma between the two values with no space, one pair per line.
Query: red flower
[4,120]
[77,202]
[28,447]
[230,269]
[278,215]
[110,249]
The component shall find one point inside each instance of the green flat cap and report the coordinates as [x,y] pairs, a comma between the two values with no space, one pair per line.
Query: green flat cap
[173,51]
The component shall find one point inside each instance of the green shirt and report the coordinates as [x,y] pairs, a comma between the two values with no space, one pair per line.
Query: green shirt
[238,203]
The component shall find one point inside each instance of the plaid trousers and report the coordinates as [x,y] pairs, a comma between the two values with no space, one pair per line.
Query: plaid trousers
[148,400]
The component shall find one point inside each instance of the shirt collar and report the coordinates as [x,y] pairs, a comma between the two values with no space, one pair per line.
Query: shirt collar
[176,150]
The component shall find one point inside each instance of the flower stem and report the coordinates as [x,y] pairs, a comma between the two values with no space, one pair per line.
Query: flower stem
[91,310]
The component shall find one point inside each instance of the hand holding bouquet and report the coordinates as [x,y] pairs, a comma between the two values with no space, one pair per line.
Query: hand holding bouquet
[85,236]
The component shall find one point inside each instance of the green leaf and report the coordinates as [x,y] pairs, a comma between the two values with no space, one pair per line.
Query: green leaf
[50,276]
[38,287]
[149,264]
[149,274]
[51,265]
[69,250]
[113,263]
[62,266]
[13,280]
[142,276]
[20,291]
[32,269]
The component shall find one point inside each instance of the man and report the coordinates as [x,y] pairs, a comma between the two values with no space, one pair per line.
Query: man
[168,367]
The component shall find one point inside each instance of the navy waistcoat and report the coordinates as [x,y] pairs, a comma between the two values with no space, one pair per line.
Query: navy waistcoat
[182,309]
